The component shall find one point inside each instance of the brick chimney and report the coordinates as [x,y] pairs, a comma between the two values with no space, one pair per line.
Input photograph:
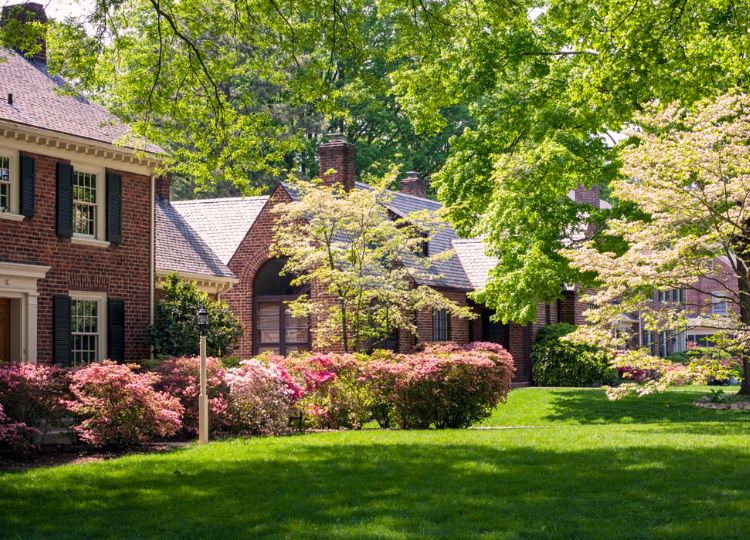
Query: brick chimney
[164,187]
[414,184]
[588,196]
[341,156]
[28,12]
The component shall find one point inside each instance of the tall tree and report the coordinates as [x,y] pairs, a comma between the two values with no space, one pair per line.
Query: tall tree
[366,267]
[547,85]
[688,172]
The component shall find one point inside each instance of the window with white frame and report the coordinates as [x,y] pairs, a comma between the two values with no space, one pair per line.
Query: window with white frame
[88,325]
[88,202]
[9,196]
[719,302]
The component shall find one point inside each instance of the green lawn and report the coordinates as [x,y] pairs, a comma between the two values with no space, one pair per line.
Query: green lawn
[575,466]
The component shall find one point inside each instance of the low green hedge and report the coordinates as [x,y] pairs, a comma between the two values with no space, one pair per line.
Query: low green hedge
[556,362]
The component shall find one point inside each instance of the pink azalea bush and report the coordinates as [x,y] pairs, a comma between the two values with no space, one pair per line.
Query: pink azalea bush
[119,406]
[180,377]
[446,385]
[14,435]
[33,396]
[337,392]
[261,397]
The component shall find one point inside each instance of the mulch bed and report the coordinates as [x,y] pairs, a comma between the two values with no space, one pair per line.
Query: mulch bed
[73,454]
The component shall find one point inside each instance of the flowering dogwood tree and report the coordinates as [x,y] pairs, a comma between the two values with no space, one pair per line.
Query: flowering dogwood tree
[367,266]
[687,174]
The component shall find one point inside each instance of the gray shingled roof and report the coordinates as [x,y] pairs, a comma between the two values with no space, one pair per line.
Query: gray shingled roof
[179,248]
[450,272]
[222,223]
[39,101]
[474,260]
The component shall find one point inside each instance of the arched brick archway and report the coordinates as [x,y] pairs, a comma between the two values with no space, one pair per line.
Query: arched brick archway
[275,329]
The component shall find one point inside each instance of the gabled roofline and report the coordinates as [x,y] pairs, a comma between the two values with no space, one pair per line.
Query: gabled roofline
[73,147]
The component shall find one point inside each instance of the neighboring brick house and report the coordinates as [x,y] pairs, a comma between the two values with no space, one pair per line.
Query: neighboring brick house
[710,299]
[240,232]
[76,221]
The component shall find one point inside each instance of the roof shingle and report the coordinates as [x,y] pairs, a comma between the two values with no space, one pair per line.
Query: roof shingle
[43,101]
[179,248]
[222,223]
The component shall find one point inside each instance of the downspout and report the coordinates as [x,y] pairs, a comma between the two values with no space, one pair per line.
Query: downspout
[152,268]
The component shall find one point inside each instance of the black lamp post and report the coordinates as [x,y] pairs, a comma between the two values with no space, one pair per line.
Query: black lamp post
[202,317]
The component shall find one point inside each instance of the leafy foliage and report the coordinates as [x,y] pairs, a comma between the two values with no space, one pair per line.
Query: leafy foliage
[364,260]
[559,362]
[175,331]
[688,170]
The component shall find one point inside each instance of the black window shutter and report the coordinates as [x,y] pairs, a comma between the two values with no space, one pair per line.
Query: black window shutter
[64,200]
[62,331]
[116,329]
[27,186]
[114,208]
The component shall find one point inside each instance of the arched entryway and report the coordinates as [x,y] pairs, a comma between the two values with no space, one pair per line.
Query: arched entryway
[276,329]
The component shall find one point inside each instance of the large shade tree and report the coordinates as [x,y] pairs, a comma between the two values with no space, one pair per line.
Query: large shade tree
[687,170]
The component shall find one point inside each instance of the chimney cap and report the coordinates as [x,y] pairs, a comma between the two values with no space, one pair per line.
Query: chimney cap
[336,137]
[413,175]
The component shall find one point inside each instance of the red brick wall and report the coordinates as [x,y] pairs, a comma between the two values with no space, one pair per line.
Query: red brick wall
[120,271]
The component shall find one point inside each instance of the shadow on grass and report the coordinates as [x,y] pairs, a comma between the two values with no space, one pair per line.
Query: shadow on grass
[593,407]
[305,488]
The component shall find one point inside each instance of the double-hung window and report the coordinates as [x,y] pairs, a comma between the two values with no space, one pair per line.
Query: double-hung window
[88,327]
[9,196]
[719,302]
[89,203]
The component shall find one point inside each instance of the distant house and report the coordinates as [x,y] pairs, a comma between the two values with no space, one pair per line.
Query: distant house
[705,303]
[240,232]
[76,226]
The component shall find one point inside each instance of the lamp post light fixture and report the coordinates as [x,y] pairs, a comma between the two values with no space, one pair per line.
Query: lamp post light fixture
[203,399]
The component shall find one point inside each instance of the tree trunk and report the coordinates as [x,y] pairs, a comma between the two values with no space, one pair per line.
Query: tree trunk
[344,333]
[744,300]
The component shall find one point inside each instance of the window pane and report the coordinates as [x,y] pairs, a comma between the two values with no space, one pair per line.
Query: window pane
[84,203]
[4,184]
[85,330]
[274,350]
[295,329]
[269,322]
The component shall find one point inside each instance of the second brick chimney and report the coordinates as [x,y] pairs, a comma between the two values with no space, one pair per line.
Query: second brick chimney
[338,158]
[163,187]
[588,196]
[414,184]
[28,12]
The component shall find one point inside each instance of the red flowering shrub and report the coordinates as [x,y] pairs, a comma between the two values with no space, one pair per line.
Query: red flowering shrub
[33,396]
[261,397]
[119,406]
[446,385]
[15,435]
[180,377]
[337,391]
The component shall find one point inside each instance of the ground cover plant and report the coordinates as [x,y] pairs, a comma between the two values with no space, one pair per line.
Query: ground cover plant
[566,463]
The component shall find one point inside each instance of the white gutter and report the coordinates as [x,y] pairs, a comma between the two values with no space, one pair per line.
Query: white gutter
[152,257]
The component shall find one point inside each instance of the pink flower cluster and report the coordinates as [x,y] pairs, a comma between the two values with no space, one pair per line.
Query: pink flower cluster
[261,397]
[33,397]
[119,406]
[180,377]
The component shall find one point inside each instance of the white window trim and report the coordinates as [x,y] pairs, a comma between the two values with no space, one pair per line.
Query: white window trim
[101,320]
[101,206]
[15,185]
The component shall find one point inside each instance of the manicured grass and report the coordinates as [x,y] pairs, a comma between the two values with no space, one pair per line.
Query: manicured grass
[568,465]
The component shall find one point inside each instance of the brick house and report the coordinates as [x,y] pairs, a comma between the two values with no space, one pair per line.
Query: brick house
[76,221]
[240,232]
[710,299]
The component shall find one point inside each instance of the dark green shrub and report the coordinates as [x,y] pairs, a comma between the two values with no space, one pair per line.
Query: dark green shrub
[557,362]
[175,333]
